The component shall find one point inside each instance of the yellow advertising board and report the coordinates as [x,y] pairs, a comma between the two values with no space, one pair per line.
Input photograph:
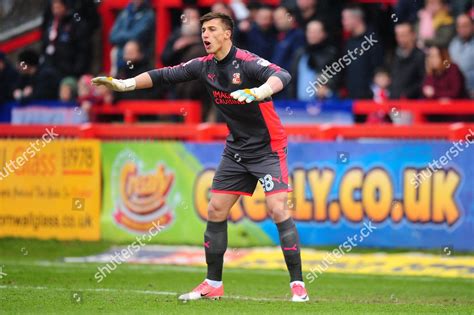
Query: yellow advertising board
[50,189]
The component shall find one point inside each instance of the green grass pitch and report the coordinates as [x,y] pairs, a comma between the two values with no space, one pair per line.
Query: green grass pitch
[34,280]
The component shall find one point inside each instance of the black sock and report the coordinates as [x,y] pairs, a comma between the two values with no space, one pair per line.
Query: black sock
[215,245]
[290,245]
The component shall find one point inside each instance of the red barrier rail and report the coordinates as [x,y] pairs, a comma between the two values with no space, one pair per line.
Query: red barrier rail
[20,41]
[130,110]
[419,108]
[211,132]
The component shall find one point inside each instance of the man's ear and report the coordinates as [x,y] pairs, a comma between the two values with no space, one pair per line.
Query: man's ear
[228,34]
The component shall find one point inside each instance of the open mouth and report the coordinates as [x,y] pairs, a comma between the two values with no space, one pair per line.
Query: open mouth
[207,44]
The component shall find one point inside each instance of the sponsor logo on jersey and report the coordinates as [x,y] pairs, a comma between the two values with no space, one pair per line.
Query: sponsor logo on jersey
[263,62]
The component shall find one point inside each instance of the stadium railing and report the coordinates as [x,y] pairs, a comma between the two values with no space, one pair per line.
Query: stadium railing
[132,109]
[210,132]
[419,109]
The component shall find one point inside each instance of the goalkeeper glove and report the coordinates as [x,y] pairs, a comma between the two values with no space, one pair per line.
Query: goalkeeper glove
[255,94]
[115,84]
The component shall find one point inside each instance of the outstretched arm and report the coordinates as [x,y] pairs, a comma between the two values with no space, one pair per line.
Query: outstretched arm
[141,81]
[180,73]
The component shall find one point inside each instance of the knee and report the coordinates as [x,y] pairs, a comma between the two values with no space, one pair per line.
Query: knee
[278,211]
[216,211]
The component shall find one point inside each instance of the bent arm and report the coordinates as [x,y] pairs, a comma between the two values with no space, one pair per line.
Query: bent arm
[275,83]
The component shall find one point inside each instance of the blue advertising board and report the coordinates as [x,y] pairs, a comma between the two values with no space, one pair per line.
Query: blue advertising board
[417,194]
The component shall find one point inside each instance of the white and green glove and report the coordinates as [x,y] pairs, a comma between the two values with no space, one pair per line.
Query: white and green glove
[115,84]
[255,94]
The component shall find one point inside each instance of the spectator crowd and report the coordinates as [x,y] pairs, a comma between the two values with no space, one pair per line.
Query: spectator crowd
[333,49]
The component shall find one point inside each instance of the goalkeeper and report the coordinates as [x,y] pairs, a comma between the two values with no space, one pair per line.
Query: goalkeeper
[241,85]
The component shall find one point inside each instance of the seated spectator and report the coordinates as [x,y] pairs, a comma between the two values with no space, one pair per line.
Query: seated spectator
[68,90]
[408,65]
[134,63]
[182,38]
[66,44]
[443,79]
[290,37]
[261,38]
[309,78]
[461,50]
[90,95]
[436,25]
[35,82]
[380,91]
[365,51]
[380,85]
[8,79]
[135,22]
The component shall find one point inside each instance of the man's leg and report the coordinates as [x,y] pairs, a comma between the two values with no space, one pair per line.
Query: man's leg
[289,240]
[215,237]
[215,245]
[230,181]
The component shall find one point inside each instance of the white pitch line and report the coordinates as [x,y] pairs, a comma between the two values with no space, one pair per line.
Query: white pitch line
[150,292]
[145,268]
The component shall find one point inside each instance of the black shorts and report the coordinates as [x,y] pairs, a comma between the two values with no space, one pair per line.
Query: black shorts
[239,175]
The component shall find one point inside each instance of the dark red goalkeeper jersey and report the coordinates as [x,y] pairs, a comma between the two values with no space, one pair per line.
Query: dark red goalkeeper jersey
[255,128]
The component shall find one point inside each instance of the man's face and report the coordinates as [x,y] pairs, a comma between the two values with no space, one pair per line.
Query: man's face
[283,20]
[58,9]
[306,4]
[404,35]
[348,20]
[214,34]
[315,33]
[264,18]
[131,52]
[434,6]
[464,27]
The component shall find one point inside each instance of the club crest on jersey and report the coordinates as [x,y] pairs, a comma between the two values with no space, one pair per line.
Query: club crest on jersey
[236,78]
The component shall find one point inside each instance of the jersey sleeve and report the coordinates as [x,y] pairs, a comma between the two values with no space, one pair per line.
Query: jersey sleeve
[183,72]
[262,69]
